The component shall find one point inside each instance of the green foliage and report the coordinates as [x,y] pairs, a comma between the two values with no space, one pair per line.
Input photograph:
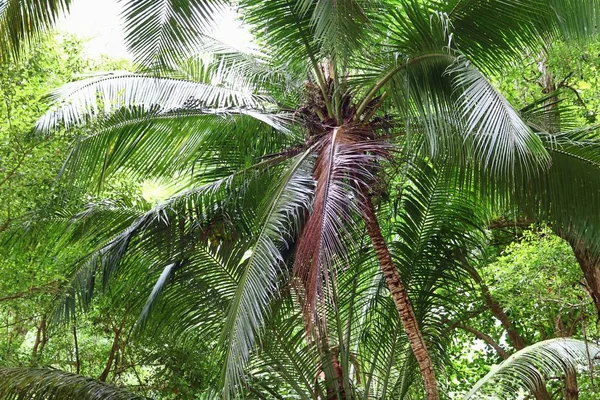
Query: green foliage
[255,276]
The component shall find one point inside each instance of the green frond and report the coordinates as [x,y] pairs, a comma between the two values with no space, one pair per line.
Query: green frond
[54,384]
[280,217]
[23,20]
[492,43]
[199,142]
[501,138]
[338,26]
[572,19]
[526,368]
[137,249]
[80,101]
[159,33]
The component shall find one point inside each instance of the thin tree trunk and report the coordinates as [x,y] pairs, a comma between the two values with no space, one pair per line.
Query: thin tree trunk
[496,309]
[77,360]
[515,338]
[487,339]
[111,356]
[39,339]
[401,300]
[590,265]
[571,388]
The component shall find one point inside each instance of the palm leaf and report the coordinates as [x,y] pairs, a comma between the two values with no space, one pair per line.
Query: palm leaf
[161,32]
[50,384]
[22,20]
[345,161]
[80,101]
[280,218]
[502,139]
[146,143]
[527,368]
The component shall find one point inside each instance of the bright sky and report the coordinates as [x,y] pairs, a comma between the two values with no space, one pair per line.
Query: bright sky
[98,21]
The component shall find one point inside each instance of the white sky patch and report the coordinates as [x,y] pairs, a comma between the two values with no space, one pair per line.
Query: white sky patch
[98,22]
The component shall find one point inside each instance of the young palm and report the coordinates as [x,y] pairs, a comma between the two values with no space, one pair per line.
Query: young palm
[280,154]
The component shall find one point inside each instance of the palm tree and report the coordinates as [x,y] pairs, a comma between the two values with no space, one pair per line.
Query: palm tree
[281,155]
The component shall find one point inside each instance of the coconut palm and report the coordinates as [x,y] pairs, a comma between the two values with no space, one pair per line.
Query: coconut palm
[282,153]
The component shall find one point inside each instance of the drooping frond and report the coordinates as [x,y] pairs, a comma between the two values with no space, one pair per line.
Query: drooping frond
[501,139]
[21,20]
[522,370]
[159,33]
[339,25]
[148,242]
[54,384]
[441,95]
[284,357]
[565,194]
[279,218]
[195,142]
[492,43]
[80,101]
[345,162]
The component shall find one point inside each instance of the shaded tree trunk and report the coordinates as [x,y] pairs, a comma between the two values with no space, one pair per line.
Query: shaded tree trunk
[590,266]
[485,338]
[40,338]
[401,300]
[571,388]
[112,354]
[496,309]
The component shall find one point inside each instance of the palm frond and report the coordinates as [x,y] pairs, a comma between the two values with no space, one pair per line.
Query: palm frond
[287,34]
[80,101]
[572,20]
[138,248]
[527,368]
[148,143]
[22,20]
[280,216]
[517,24]
[565,194]
[159,33]
[501,139]
[338,26]
[54,384]
[344,162]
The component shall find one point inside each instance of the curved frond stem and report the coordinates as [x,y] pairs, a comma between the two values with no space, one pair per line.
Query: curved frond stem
[54,384]
[313,60]
[386,78]
[526,368]
[258,284]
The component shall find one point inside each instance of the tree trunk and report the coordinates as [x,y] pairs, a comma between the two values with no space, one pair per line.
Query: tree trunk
[401,300]
[485,338]
[496,309]
[571,388]
[111,355]
[39,340]
[590,265]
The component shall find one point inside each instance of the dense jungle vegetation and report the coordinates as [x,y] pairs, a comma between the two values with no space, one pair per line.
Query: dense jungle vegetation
[378,199]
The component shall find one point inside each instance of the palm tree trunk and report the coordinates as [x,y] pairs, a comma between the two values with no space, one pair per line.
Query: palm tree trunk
[401,300]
